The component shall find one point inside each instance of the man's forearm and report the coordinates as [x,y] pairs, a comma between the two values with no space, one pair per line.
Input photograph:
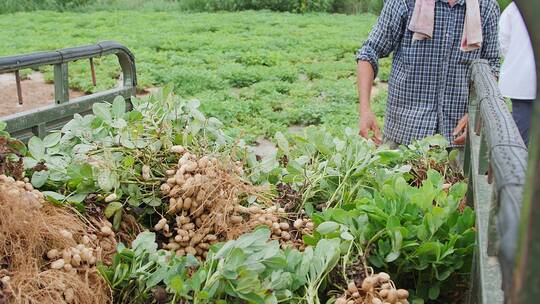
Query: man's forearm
[365,77]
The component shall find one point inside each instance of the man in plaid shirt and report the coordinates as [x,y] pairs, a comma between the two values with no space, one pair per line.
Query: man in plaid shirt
[429,82]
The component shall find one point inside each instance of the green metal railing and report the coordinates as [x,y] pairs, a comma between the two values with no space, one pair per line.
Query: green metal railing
[39,121]
[496,166]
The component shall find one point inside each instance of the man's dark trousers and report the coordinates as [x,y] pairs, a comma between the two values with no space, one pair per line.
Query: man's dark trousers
[521,112]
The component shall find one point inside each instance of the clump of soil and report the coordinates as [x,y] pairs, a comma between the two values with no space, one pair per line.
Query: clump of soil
[35,241]
[11,161]
[419,171]
[354,272]
[289,198]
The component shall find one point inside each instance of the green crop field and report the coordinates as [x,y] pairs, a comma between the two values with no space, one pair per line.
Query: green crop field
[258,72]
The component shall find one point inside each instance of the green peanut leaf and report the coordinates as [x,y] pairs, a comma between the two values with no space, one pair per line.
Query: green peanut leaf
[102,111]
[118,107]
[112,208]
[36,148]
[52,139]
[39,178]
[177,284]
[434,291]
[392,256]
[54,196]
[107,179]
[327,227]
[282,142]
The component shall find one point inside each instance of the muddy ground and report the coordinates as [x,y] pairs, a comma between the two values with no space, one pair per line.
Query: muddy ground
[35,93]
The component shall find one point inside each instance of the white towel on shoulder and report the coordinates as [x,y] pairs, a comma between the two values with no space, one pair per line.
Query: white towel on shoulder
[423,20]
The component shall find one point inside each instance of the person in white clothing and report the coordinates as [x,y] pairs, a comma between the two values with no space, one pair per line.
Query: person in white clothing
[518,73]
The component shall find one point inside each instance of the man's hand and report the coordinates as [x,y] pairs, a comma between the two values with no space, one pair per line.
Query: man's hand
[368,122]
[461,130]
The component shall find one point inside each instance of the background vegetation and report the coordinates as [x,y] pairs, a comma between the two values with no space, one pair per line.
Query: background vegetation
[258,72]
[300,6]
[297,6]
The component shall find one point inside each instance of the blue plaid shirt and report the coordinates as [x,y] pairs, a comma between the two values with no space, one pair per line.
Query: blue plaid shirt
[429,82]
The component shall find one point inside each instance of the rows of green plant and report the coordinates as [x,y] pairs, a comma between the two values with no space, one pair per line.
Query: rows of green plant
[11,6]
[258,72]
[398,211]
[295,6]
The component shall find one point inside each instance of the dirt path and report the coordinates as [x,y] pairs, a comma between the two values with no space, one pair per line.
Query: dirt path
[36,93]
[264,147]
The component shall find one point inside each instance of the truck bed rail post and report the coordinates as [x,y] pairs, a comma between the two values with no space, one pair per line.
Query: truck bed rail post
[61,83]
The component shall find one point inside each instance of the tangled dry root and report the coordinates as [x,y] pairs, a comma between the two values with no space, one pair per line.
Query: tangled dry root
[203,193]
[205,207]
[29,229]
